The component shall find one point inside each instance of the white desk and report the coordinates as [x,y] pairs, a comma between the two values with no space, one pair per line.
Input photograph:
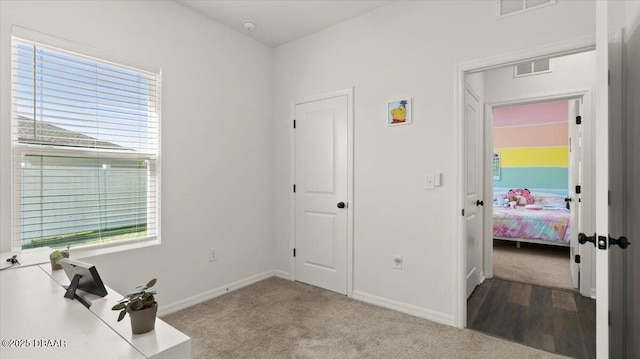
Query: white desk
[163,342]
[26,258]
[33,308]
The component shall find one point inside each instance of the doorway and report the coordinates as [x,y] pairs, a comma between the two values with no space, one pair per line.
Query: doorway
[504,307]
[536,175]
[531,298]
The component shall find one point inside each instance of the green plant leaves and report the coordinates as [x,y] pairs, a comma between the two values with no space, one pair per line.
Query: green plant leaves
[138,300]
[136,305]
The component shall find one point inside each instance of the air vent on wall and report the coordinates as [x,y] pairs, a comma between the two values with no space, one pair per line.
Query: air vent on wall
[509,7]
[535,67]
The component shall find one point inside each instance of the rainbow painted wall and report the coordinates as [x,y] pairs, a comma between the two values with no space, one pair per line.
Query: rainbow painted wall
[533,143]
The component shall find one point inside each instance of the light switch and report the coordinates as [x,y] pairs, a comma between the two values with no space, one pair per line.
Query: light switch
[438,180]
[429,182]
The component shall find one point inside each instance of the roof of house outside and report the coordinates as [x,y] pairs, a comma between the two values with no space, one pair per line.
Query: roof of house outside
[49,134]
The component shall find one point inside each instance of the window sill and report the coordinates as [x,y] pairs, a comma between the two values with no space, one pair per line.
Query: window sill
[36,256]
[94,251]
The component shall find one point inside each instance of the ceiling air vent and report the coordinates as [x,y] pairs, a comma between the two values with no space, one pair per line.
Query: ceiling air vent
[535,67]
[509,7]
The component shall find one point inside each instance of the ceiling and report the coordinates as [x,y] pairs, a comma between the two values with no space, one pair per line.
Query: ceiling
[280,21]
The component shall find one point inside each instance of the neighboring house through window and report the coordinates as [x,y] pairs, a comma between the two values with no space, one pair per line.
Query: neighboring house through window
[85,146]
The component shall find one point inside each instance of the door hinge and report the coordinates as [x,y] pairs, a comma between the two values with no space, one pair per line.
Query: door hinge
[609,77]
[463,212]
[294,188]
[578,120]
[577,258]
[294,123]
[578,188]
[294,252]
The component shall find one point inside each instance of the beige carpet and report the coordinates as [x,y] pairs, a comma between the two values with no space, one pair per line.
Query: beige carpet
[537,264]
[277,318]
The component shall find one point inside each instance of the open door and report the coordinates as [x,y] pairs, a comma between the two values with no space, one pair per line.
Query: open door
[618,269]
[474,136]
[599,239]
[575,182]
[608,239]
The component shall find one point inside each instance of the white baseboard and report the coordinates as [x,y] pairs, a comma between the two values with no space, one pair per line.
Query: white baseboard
[593,293]
[410,309]
[210,294]
[282,274]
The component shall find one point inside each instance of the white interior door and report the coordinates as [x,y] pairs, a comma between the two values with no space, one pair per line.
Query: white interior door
[575,179]
[474,140]
[618,260]
[321,185]
[602,180]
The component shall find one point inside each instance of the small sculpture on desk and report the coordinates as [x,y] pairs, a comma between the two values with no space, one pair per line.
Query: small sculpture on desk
[56,256]
[141,306]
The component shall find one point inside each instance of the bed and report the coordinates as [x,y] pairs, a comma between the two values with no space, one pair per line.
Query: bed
[547,220]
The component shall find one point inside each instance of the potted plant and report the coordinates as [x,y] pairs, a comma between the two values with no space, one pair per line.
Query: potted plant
[141,306]
[56,256]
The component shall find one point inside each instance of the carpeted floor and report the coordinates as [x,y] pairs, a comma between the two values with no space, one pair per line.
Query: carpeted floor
[538,264]
[277,318]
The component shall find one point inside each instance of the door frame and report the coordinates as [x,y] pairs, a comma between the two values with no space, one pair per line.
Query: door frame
[350,168]
[587,214]
[564,47]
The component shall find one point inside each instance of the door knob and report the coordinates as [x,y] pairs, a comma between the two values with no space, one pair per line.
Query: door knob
[583,238]
[341,205]
[479,203]
[623,242]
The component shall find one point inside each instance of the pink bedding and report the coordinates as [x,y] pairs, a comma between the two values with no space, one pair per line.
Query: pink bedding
[548,224]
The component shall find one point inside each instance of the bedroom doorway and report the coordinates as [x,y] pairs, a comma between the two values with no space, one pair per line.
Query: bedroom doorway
[538,165]
[536,172]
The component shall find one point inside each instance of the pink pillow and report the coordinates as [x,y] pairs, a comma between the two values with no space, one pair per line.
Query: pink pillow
[521,192]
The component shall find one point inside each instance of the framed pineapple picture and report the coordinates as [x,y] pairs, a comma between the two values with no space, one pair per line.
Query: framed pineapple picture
[399,112]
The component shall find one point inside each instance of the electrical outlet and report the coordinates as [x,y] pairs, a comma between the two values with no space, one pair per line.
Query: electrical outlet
[397,261]
[213,255]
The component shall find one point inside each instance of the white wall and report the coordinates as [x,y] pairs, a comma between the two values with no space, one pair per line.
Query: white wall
[217,138]
[405,49]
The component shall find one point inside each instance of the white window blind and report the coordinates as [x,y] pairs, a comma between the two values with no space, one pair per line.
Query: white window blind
[85,164]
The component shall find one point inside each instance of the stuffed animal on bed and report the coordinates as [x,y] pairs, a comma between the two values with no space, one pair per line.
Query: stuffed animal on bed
[519,197]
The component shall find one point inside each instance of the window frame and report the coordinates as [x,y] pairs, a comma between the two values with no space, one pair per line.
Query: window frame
[532,65]
[20,150]
[524,9]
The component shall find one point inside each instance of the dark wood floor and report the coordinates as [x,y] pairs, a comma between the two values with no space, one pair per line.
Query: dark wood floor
[554,320]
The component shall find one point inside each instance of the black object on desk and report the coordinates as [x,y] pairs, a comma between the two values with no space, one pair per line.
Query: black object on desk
[83,276]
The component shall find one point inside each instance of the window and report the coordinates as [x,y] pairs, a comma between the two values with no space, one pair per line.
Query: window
[84,148]
[509,7]
[535,67]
